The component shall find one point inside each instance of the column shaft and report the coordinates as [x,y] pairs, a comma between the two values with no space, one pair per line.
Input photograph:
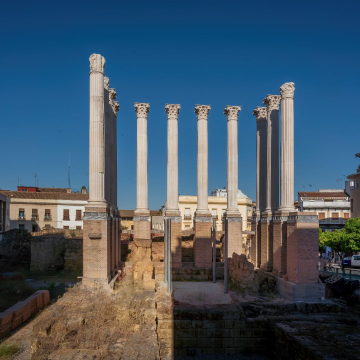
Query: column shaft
[287,147]
[202,159]
[142,110]
[97,135]
[172,204]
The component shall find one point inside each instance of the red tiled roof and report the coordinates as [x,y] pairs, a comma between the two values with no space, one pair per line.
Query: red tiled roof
[45,195]
[127,213]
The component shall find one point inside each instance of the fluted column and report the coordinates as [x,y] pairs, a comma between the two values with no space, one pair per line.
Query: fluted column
[172,203]
[97,135]
[142,110]
[261,157]
[231,113]
[287,147]
[202,112]
[272,103]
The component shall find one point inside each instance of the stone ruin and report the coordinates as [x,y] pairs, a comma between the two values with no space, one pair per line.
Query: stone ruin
[284,242]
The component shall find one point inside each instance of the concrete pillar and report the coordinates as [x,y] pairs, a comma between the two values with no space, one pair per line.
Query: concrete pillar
[260,114]
[172,202]
[287,147]
[202,220]
[272,103]
[97,135]
[142,214]
[232,212]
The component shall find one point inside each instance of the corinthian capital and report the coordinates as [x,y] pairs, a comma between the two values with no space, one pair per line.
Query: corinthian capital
[172,110]
[260,113]
[202,111]
[106,82]
[232,112]
[272,102]
[97,63]
[114,104]
[287,90]
[142,109]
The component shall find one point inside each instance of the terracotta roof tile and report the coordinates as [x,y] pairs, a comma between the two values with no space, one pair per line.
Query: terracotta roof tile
[45,195]
[321,195]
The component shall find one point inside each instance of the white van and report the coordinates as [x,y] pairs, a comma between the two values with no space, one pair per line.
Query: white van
[355,261]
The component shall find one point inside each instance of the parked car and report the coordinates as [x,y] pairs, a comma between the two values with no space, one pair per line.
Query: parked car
[346,261]
[355,261]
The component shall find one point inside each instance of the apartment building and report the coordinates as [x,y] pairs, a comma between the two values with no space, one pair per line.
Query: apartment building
[4,213]
[34,209]
[331,205]
[217,205]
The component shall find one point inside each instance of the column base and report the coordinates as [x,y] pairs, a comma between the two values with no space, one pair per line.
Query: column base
[279,242]
[266,263]
[142,227]
[99,265]
[176,260]
[235,241]
[203,241]
[301,292]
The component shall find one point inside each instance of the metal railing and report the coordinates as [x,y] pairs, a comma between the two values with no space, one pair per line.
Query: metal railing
[47,217]
[22,217]
[34,217]
[187,217]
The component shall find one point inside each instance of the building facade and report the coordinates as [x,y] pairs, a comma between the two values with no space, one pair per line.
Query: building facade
[217,205]
[331,205]
[4,213]
[46,208]
[355,192]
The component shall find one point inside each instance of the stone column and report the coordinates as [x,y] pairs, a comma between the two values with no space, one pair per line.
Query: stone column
[287,147]
[259,243]
[202,219]
[142,213]
[272,103]
[172,203]
[260,114]
[97,135]
[232,213]
[98,266]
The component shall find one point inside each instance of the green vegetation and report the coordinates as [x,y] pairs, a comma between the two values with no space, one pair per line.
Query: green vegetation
[8,350]
[344,240]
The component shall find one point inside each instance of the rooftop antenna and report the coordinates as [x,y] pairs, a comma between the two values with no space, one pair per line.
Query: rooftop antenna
[19,181]
[69,170]
[35,179]
[338,181]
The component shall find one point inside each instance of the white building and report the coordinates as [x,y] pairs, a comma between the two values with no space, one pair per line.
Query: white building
[331,205]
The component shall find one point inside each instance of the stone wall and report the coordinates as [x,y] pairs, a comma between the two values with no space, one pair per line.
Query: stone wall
[241,272]
[56,251]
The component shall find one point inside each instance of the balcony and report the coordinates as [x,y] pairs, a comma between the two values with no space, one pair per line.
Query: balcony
[21,217]
[34,217]
[66,218]
[47,218]
[187,217]
[215,217]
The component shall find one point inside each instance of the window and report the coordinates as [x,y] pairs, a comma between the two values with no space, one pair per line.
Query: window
[22,214]
[66,215]
[187,213]
[78,228]
[34,214]
[346,216]
[24,189]
[21,226]
[34,228]
[66,228]
[47,226]
[78,215]
[335,216]
[187,227]
[321,216]
[132,227]
[47,214]
[213,213]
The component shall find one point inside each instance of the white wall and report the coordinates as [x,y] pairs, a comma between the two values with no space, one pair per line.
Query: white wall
[72,206]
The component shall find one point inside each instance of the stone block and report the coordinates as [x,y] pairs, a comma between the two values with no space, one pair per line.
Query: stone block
[203,244]
[227,342]
[266,244]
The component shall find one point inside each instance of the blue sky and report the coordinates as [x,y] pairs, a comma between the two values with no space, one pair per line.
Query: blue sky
[189,52]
